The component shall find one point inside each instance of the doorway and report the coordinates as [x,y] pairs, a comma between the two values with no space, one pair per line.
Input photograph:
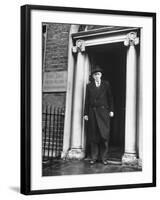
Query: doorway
[112,59]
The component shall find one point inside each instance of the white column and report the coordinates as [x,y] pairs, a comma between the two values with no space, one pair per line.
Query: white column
[87,69]
[131,98]
[69,93]
[76,151]
[140,106]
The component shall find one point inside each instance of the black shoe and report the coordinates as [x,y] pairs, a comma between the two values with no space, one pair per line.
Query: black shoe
[92,162]
[105,162]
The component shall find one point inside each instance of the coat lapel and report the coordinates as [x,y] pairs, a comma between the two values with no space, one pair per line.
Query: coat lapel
[98,91]
[95,91]
[101,90]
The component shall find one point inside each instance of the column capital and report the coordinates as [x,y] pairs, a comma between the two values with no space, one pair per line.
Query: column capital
[131,39]
[80,46]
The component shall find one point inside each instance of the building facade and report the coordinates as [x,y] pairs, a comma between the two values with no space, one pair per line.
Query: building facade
[70,52]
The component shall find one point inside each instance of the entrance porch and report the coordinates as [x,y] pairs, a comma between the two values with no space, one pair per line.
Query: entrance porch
[92,46]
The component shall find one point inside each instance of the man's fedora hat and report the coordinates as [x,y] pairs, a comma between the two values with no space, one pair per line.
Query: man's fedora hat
[96,69]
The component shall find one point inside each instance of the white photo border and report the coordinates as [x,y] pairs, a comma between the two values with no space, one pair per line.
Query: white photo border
[37,181]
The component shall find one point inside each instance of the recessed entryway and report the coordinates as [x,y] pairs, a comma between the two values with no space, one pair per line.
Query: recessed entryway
[112,59]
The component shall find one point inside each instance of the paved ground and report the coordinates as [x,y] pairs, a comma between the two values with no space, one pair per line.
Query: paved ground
[75,167]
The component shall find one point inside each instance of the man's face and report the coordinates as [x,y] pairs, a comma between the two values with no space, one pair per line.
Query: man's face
[97,76]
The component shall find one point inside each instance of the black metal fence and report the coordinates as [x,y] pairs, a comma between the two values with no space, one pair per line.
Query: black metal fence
[52,131]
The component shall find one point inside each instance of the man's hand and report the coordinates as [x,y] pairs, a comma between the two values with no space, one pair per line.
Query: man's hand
[85,117]
[111,114]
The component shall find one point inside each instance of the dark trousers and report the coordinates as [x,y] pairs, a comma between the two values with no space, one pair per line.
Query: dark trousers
[99,150]
[99,147]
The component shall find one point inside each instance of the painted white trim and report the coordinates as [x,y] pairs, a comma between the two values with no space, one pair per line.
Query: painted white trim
[87,70]
[69,94]
[101,32]
[101,38]
[140,101]
[120,36]
[105,40]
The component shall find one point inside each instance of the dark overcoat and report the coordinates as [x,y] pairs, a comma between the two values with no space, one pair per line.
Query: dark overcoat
[98,104]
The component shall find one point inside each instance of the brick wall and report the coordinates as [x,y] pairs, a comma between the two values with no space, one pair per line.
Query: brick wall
[56,58]
[57,47]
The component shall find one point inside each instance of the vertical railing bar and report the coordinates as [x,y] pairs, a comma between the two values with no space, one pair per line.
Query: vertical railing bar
[53,131]
[49,129]
[61,120]
[59,128]
[56,133]
[45,134]
[62,126]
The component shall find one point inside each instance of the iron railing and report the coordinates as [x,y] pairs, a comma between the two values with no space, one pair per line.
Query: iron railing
[52,131]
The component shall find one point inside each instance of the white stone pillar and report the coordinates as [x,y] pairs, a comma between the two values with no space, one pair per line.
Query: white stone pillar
[87,69]
[76,151]
[130,155]
[141,70]
[69,93]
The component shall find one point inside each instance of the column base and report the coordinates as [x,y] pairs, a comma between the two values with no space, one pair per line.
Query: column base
[129,159]
[64,155]
[140,162]
[76,154]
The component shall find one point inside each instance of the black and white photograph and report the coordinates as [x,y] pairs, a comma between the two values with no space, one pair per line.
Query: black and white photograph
[79,100]
[90,99]
[87,99]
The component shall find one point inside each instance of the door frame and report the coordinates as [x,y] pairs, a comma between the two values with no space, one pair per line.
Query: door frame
[91,38]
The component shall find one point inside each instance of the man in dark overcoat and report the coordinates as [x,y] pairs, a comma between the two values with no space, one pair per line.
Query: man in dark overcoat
[97,113]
